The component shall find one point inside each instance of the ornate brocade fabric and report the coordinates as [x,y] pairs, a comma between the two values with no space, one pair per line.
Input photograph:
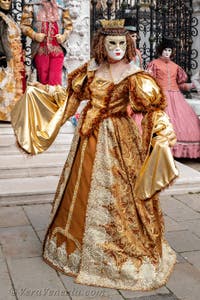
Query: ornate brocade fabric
[11,86]
[120,244]
[100,231]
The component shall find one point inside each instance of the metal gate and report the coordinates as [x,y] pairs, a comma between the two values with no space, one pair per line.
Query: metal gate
[17,6]
[154,19]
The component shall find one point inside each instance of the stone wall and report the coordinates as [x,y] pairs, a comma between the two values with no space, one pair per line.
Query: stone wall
[78,44]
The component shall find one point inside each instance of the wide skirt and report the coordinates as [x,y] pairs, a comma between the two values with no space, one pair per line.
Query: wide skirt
[99,232]
[186,126]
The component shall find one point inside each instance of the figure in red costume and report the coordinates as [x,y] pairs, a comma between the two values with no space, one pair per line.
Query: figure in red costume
[48,24]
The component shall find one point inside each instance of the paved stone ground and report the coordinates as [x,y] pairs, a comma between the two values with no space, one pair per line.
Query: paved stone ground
[24,276]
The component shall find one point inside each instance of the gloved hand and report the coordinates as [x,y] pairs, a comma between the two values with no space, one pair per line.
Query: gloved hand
[39,37]
[61,38]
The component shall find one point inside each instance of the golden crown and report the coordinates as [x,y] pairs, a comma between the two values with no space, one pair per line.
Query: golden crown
[112,23]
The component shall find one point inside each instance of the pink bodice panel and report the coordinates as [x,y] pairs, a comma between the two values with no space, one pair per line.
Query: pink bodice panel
[168,74]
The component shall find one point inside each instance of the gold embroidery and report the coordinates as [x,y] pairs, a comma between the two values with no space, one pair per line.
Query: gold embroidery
[123,244]
[58,257]
[118,246]
[11,85]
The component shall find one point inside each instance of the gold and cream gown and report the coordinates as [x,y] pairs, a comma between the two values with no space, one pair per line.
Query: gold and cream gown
[12,78]
[106,225]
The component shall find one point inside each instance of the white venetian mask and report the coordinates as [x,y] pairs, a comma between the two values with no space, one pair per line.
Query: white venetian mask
[115,46]
[167,52]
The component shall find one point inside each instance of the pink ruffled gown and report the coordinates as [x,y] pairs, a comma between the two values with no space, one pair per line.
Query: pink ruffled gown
[172,78]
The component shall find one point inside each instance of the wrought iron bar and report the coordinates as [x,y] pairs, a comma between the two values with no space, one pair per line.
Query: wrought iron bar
[109,10]
[151,37]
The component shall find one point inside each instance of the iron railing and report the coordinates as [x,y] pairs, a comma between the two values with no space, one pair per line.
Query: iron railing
[153,20]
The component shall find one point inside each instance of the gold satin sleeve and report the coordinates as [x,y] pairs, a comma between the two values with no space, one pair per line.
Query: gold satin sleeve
[37,118]
[26,21]
[76,94]
[67,22]
[39,114]
[145,94]
[158,169]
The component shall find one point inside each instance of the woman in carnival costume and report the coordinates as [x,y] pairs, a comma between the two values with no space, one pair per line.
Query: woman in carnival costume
[106,225]
[12,71]
[172,78]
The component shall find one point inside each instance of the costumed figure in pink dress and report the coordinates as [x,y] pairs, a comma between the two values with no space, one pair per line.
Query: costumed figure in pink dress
[172,79]
[106,226]
[137,60]
[48,24]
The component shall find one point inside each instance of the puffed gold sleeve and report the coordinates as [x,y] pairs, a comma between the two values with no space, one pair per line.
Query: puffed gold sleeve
[26,21]
[67,23]
[145,94]
[158,169]
[77,91]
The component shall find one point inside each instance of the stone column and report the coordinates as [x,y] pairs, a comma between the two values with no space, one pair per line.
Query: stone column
[78,44]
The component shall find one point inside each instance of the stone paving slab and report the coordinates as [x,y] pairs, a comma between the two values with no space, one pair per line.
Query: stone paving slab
[114,297]
[77,291]
[6,290]
[192,225]
[41,235]
[12,216]
[20,242]
[185,282]
[137,295]
[178,210]
[172,225]
[27,186]
[180,259]
[38,215]
[191,200]
[194,258]
[35,280]
[1,252]
[156,297]
[28,199]
[182,241]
